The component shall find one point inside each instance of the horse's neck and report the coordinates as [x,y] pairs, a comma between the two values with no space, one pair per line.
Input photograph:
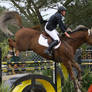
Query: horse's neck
[77,40]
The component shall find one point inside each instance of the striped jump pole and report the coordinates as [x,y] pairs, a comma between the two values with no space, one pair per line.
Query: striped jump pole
[27,62]
[27,68]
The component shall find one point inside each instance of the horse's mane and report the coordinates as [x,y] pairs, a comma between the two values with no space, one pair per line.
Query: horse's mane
[80,28]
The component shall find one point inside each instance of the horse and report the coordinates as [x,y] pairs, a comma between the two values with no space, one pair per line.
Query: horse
[27,39]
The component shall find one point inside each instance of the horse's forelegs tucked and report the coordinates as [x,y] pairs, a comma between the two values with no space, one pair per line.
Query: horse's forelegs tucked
[70,70]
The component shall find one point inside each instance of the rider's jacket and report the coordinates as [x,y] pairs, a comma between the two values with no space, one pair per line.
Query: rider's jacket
[54,21]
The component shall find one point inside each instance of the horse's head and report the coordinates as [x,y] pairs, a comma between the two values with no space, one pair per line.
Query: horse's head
[89,36]
[83,34]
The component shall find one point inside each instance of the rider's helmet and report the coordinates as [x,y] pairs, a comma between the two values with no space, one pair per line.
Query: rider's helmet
[61,8]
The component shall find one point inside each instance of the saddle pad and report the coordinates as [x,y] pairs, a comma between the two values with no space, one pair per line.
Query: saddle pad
[44,41]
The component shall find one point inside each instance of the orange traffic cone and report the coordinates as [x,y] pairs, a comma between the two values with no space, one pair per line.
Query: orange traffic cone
[90,88]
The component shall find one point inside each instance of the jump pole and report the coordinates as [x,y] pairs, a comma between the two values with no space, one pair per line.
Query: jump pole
[0,66]
[55,74]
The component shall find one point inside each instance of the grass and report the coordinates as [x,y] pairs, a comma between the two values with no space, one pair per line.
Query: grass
[86,82]
[4,88]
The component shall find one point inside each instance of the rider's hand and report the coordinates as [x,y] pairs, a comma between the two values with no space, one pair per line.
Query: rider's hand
[67,34]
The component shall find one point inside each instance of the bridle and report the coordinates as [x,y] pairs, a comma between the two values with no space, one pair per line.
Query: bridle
[89,32]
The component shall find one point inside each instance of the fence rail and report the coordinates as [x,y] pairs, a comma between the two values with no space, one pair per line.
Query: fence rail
[27,62]
[28,68]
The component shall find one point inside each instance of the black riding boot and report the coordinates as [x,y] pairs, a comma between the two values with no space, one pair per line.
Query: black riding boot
[52,44]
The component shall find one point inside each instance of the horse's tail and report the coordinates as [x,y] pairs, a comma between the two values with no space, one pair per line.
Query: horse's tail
[10,17]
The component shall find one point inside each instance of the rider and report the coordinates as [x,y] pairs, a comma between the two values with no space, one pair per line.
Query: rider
[50,28]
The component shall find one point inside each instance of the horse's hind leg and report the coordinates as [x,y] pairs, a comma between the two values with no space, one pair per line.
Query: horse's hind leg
[70,70]
[75,64]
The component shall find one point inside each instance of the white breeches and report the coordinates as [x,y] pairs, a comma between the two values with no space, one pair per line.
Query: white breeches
[53,34]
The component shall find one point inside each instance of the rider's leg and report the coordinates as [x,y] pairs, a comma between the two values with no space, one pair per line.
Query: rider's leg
[52,44]
[54,35]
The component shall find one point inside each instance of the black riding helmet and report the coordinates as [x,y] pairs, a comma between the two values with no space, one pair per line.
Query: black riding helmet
[61,8]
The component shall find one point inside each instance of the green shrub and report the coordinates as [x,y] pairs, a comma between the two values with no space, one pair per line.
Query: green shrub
[4,88]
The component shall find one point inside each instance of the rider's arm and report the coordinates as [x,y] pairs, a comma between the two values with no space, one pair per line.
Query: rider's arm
[61,24]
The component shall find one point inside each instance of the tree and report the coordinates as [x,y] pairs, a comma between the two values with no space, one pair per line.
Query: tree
[31,8]
[79,12]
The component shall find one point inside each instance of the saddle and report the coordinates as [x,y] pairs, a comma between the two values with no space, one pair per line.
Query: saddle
[45,35]
[45,40]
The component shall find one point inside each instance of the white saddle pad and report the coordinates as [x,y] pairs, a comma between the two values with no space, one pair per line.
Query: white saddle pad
[44,42]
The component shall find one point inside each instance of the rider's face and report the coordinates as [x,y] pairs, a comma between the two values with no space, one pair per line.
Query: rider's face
[63,13]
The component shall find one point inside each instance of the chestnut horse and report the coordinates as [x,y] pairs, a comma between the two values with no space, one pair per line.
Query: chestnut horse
[27,39]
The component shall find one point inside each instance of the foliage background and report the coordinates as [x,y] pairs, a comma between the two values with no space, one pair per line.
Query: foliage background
[78,12]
